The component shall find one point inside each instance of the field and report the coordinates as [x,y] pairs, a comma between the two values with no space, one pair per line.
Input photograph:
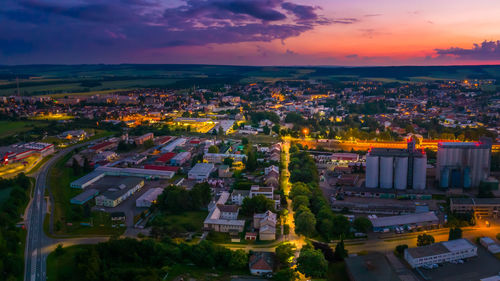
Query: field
[8,128]
[62,80]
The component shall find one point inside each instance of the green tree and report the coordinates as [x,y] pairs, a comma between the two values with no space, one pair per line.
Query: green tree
[424,240]
[213,149]
[340,251]
[76,168]
[286,274]
[362,224]
[244,141]
[341,225]
[256,204]
[455,233]
[400,249]
[228,161]
[266,130]
[300,188]
[305,223]
[300,200]
[312,263]
[251,164]
[239,259]
[284,254]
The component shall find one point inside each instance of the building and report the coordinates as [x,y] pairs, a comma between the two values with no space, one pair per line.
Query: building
[261,263]
[440,252]
[373,267]
[228,212]
[115,190]
[463,164]
[87,180]
[237,196]
[215,222]
[201,171]
[405,221]
[224,171]
[180,159]
[74,134]
[480,207]
[390,168]
[266,224]
[173,145]
[142,139]
[84,197]
[100,147]
[490,245]
[17,152]
[148,198]
[218,158]
[374,206]
[165,158]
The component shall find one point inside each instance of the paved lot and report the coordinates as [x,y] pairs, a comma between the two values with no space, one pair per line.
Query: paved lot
[484,265]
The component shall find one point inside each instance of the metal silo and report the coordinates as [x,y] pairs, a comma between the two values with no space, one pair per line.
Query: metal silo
[386,171]
[444,183]
[419,172]
[401,172]
[371,171]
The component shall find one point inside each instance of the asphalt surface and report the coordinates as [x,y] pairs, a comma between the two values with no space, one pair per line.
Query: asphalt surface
[37,243]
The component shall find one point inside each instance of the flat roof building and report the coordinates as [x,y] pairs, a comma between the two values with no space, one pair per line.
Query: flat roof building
[482,207]
[410,220]
[84,197]
[440,252]
[148,198]
[116,189]
[201,171]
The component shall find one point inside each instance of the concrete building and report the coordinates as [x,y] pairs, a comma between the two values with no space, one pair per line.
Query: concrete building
[201,171]
[84,197]
[480,207]
[229,212]
[266,224]
[389,168]
[237,196]
[148,198]
[405,221]
[218,158]
[463,164]
[116,190]
[180,159]
[440,252]
[142,139]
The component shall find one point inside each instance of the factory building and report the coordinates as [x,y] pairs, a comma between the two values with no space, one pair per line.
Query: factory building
[399,169]
[148,198]
[440,252]
[463,164]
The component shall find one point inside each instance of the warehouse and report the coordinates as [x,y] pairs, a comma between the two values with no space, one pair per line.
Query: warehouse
[481,207]
[84,197]
[148,198]
[440,252]
[405,221]
[201,171]
[180,159]
[115,190]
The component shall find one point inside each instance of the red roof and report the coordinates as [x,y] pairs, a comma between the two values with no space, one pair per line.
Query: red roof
[101,145]
[195,141]
[161,168]
[166,157]
[162,140]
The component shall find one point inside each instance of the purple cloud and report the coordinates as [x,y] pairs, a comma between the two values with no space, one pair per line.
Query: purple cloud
[302,12]
[487,50]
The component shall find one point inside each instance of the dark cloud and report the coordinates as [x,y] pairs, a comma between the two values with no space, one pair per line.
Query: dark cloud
[302,12]
[487,50]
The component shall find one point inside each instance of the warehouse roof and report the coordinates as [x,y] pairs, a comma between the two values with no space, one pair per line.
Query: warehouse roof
[370,267]
[403,219]
[428,251]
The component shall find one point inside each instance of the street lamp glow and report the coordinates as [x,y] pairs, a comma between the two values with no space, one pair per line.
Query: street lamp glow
[305,131]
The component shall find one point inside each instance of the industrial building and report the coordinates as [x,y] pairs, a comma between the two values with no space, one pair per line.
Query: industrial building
[440,252]
[405,221]
[148,198]
[480,207]
[173,144]
[463,164]
[218,158]
[180,159]
[115,190]
[390,168]
[201,171]
[18,152]
[84,197]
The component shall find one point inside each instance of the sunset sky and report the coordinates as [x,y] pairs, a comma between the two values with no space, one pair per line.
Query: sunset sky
[250,32]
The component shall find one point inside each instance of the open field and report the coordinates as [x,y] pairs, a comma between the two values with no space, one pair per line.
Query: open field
[8,128]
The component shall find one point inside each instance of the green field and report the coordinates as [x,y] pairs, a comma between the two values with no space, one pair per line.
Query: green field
[8,128]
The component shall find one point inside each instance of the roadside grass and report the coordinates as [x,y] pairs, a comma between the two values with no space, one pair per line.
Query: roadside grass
[61,268]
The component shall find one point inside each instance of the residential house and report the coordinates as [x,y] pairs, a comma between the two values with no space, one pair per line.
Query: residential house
[261,263]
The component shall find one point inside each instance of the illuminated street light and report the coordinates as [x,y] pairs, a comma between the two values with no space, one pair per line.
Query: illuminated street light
[305,131]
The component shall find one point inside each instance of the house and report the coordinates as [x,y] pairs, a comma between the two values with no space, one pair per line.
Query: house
[271,168]
[228,212]
[272,179]
[266,224]
[224,171]
[237,196]
[261,263]
[251,236]
[268,192]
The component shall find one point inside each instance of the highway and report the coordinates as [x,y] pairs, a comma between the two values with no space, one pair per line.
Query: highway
[38,245]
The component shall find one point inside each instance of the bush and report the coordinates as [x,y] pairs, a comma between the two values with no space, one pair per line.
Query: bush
[400,249]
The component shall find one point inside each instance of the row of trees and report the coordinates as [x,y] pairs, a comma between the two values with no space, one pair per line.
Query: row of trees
[175,199]
[131,259]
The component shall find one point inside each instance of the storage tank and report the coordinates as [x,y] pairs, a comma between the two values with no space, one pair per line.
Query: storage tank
[445,178]
[386,171]
[467,178]
[456,178]
[401,172]
[419,172]
[371,171]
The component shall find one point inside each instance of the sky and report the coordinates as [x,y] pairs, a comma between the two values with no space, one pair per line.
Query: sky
[250,32]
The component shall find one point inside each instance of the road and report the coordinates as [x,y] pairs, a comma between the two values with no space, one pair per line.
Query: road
[38,245]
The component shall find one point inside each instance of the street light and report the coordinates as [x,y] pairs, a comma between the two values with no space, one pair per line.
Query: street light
[305,131]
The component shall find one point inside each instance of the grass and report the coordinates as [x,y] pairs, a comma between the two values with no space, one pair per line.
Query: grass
[59,268]
[202,274]
[190,221]
[8,128]
[337,271]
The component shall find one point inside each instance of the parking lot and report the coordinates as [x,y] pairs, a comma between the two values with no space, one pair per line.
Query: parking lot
[484,265]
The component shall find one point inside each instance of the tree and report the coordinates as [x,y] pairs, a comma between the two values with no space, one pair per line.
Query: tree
[286,229]
[284,254]
[340,251]
[400,249]
[455,233]
[256,204]
[300,188]
[76,168]
[239,259]
[266,130]
[59,251]
[300,200]
[251,164]
[86,165]
[424,240]
[362,224]
[286,274]
[312,262]
[305,223]
[148,144]
[213,149]
[228,161]
[244,141]
[341,225]
[276,128]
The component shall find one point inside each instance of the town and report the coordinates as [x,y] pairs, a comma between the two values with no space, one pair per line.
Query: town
[284,180]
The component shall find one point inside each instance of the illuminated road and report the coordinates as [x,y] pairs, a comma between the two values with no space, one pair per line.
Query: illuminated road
[38,245]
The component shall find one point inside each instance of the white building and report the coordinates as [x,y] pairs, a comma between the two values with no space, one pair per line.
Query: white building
[440,252]
[218,158]
[201,171]
[148,198]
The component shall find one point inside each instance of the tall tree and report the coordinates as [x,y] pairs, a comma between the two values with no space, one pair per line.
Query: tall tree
[311,262]
[424,240]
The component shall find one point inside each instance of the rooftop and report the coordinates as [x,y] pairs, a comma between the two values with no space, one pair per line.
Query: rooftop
[404,219]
